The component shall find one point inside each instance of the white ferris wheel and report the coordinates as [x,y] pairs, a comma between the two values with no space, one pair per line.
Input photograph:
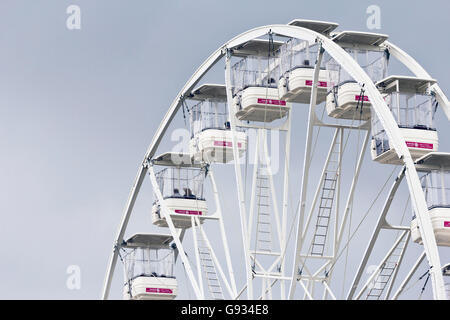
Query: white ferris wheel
[286,244]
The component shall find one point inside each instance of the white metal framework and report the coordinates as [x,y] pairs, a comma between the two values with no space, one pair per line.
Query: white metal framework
[252,99]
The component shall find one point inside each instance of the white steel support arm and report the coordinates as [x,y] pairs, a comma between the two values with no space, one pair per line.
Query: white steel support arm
[216,262]
[307,293]
[182,253]
[254,181]
[373,239]
[287,160]
[223,233]
[375,274]
[409,276]
[347,209]
[397,268]
[306,167]
[196,226]
[338,194]
[319,186]
[328,290]
[272,188]
[240,187]
[351,194]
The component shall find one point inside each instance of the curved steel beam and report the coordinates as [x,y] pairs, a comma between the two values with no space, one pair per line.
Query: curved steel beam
[196,77]
[379,105]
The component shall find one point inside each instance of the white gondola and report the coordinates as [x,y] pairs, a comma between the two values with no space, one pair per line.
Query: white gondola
[412,107]
[211,137]
[297,61]
[261,104]
[255,85]
[148,268]
[436,186]
[346,98]
[182,192]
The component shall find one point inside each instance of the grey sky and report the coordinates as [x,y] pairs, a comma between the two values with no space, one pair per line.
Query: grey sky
[79,108]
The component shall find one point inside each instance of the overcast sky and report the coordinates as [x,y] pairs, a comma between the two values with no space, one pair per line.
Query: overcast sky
[79,108]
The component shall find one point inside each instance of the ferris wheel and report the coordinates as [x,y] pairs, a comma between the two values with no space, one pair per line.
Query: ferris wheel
[290,245]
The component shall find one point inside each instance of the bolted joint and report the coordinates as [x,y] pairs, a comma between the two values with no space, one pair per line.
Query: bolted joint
[227,52]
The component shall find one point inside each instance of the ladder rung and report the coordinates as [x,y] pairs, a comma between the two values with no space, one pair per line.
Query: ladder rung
[319,244]
[386,268]
[207,265]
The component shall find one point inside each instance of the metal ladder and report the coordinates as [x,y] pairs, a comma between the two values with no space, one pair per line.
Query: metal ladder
[386,271]
[327,199]
[324,213]
[263,223]
[209,269]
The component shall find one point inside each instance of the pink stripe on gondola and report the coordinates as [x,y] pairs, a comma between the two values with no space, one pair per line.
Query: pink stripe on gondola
[420,145]
[272,102]
[191,212]
[158,290]
[226,144]
[364,98]
[322,84]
